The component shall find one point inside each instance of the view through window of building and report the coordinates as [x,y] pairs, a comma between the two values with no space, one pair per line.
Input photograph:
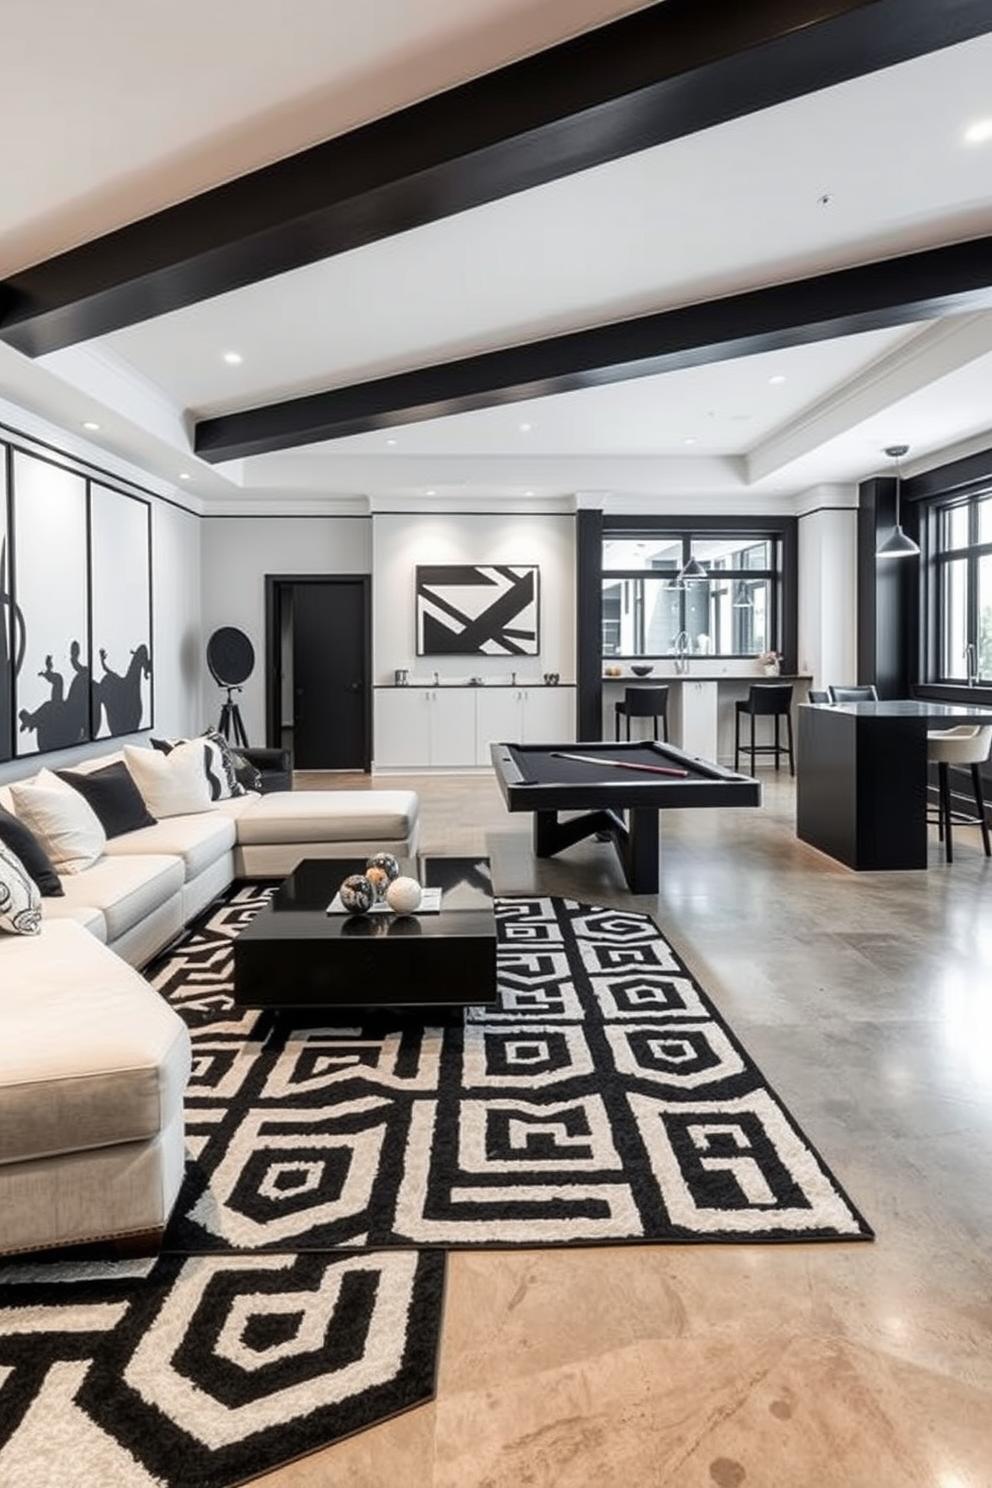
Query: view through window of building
[650,610]
[958,594]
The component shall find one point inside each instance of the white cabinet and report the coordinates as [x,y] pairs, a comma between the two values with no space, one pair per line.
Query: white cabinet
[453,727]
[524,715]
[423,727]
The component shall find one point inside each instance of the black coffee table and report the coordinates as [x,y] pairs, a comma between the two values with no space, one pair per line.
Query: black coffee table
[294,954]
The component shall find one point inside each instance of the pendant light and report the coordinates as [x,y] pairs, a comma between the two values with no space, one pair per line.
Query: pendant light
[692,572]
[897,544]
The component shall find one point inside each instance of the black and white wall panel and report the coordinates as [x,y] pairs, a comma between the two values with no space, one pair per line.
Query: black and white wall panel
[75,606]
[121,601]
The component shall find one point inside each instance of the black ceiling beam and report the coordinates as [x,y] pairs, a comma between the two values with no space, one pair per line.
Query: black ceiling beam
[656,75]
[916,287]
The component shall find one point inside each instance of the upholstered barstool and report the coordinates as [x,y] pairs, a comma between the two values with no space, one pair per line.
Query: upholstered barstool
[765,700]
[964,745]
[860,692]
[643,702]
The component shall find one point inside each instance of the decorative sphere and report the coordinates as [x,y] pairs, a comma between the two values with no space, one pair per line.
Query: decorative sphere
[386,862]
[357,894]
[404,895]
[379,880]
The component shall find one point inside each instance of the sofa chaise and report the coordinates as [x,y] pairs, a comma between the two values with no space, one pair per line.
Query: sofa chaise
[93,1062]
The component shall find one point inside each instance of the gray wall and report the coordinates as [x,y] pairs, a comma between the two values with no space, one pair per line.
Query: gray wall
[236,555]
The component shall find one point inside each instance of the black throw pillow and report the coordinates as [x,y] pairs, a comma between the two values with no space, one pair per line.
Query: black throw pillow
[113,795]
[22,841]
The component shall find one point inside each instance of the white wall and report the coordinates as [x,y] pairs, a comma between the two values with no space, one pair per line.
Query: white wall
[402,541]
[236,555]
[828,615]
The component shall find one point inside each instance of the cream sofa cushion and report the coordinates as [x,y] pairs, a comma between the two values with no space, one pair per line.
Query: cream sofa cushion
[173,784]
[328,816]
[67,826]
[124,889]
[200,840]
[119,1068]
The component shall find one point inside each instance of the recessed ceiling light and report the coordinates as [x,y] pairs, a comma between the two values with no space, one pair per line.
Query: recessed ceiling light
[690,440]
[185,475]
[89,424]
[233,358]
[979,132]
[432,493]
[390,442]
[528,493]
[776,380]
[526,428]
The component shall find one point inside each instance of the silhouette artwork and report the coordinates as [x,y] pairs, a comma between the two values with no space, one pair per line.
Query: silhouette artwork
[64,718]
[118,696]
[11,654]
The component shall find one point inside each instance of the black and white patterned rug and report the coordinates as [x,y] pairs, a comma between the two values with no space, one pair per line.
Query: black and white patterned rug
[299,1295]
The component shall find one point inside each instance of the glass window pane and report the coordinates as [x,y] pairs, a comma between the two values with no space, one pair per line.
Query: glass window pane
[985,520]
[985,617]
[955,612]
[722,553]
[626,554]
[954,533]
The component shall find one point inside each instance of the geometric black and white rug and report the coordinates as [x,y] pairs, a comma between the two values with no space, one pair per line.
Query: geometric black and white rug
[299,1295]
[604,1101]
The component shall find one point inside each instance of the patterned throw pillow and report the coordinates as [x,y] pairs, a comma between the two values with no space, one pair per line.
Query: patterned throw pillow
[20,901]
[224,755]
[247,774]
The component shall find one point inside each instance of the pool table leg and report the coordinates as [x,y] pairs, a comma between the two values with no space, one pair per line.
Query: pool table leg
[636,841]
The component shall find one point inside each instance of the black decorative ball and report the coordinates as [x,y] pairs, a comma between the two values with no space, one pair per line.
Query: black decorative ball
[357,894]
[387,863]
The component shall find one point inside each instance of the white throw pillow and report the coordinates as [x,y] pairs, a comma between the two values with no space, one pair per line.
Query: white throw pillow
[20,901]
[67,826]
[173,784]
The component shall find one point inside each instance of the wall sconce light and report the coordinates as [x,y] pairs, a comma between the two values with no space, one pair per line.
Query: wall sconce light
[897,544]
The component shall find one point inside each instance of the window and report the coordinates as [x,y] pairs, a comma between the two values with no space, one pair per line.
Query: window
[958,593]
[648,610]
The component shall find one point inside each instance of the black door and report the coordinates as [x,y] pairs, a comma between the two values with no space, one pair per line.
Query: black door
[322,680]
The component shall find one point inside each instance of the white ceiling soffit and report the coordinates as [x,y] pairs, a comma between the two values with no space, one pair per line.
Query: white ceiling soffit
[853,174]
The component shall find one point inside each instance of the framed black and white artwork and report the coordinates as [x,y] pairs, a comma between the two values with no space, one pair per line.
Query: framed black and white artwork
[11,631]
[477,609]
[121,612]
[50,590]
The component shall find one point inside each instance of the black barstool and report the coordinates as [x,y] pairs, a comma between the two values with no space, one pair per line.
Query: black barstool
[765,700]
[643,702]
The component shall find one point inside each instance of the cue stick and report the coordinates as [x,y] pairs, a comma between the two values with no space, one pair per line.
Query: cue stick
[589,759]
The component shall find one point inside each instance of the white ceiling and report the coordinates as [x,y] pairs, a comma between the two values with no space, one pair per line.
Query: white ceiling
[157,103]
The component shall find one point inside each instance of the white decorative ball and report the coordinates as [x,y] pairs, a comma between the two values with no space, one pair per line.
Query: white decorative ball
[404,895]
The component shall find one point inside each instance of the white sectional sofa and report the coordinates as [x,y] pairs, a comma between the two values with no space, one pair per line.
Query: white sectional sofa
[93,1063]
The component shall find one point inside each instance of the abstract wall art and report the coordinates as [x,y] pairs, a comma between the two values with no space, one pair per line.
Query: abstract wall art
[120,567]
[51,588]
[477,610]
[75,606]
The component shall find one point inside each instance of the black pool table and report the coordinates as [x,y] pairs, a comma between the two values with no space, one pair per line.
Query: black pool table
[614,798]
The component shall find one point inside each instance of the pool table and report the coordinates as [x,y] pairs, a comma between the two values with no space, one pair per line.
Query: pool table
[615,798]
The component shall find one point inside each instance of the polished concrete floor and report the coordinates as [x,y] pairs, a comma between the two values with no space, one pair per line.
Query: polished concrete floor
[866,999]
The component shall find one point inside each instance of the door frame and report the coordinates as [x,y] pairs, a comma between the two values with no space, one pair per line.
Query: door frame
[275,587]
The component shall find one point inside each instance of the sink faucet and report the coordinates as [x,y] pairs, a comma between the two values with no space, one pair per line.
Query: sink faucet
[681,644]
[971,662]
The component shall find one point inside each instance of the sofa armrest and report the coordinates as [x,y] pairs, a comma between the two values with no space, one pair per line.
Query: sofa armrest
[274,765]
